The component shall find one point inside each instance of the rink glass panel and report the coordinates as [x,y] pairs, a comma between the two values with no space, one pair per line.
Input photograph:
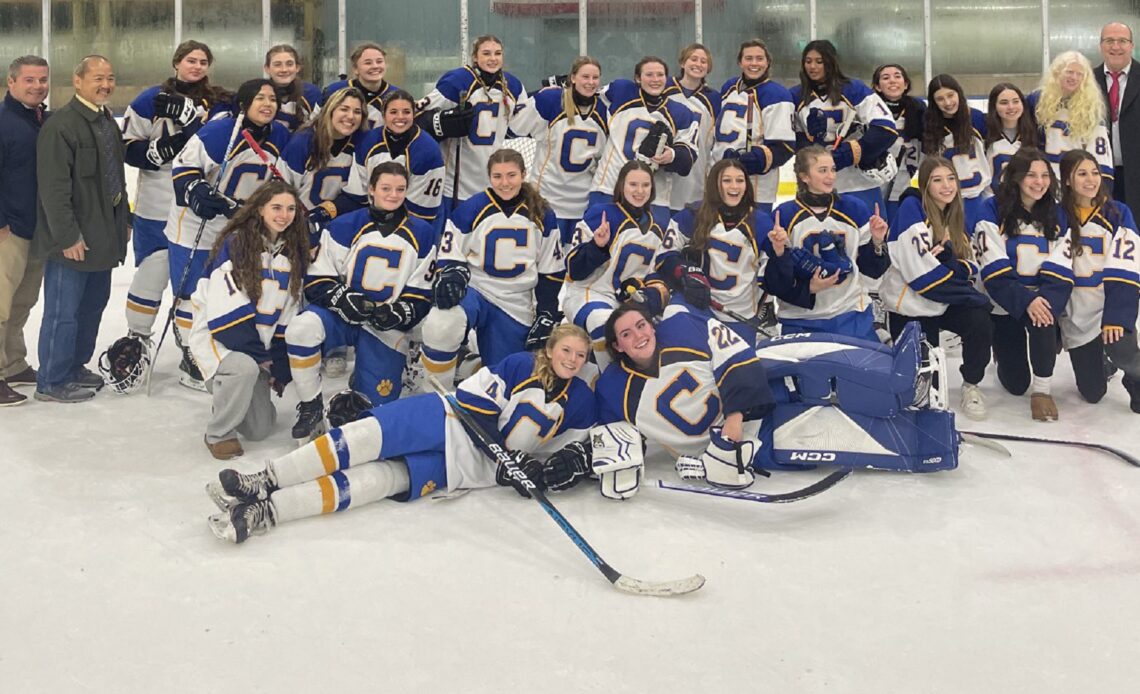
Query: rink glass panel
[539,39]
[619,39]
[310,27]
[21,29]
[780,26]
[1076,25]
[232,30]
[981,44]
[874,33]
[421,39]
[136,37]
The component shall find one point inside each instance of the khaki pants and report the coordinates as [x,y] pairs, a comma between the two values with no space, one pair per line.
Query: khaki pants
[20,279]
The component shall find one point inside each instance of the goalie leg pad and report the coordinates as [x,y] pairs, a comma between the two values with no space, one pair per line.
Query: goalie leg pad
[618,459]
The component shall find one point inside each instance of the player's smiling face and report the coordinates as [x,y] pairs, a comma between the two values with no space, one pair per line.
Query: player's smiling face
[637,188]
[348,116]
[813,66]
[754,62]
[696,66]
[892,84]
[1035,184]
[389,192]
[264,106]
[1009,108]
[587,80]
[947,101]
[731,186]
[942,186]
[636,338]
[398,116]
[193,67]
[652,78]
[278,213]
[370,67]
[568,356]
[820,176]
[1071,78]
[1085,182]
[489,56]
[282,68]
[506,179]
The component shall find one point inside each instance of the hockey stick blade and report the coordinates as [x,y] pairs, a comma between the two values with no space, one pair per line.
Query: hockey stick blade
[985,443]
[659,589]
[1130,459]
[780,498]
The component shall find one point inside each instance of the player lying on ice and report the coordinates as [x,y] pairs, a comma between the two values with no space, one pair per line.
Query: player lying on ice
[408,448]
[694,387]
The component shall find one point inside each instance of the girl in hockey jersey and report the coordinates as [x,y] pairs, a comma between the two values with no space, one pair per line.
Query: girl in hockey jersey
[249,293]
[892,83]
[320,156]
[695,64]
[156,126]
[843,114]
[297,100]
[820,246]
[1009,125]
[569,127]
[1098,225]
[402,141]
[619,246]
[504,242]
[650,121]
[755,122]
[469,112]
[369,285]
[1014,242]
[1070,110]
[953,130]
[931,277]
[370,63]
[213,173]
[533,403]
[723,239]
[1121,295]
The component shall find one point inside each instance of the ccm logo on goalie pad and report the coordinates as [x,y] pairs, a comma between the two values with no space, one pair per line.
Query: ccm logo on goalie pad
[617,459]
[813,456]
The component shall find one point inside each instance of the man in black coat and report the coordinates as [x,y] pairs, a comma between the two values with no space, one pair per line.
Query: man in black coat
[81,230]
[1120,89]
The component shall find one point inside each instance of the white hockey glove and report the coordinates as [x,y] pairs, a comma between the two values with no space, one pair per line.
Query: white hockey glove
[724,463]
[617,458]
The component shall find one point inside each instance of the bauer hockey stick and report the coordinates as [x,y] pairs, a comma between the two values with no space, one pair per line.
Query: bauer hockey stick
[501,457]
[1126,457]
[197,239]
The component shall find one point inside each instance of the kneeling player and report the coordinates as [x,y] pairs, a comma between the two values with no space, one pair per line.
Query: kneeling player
[534,402]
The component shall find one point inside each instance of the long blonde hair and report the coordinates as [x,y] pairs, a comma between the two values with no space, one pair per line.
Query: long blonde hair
[1085,106]
[324,134]
[950,222]
[568,106]
[543,369]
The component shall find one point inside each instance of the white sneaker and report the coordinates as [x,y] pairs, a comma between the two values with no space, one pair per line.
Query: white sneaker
[973,403]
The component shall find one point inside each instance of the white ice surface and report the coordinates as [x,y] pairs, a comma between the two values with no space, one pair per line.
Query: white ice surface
[1005,575]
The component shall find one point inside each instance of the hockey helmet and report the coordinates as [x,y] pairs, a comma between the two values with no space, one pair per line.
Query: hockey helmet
[124,364]
[347,406]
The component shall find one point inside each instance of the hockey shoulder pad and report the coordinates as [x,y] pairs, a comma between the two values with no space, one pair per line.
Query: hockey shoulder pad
[617,458]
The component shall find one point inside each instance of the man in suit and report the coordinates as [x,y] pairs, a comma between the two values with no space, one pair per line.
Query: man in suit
[81,230]
[1120,89]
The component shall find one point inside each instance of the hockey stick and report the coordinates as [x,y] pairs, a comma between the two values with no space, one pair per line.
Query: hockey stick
[1126,457]
[252,142]
[197,239]
[985,443]
[782,498]
[500,456]
[739,317]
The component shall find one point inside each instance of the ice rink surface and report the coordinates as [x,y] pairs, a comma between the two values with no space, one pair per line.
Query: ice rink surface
[1006,575]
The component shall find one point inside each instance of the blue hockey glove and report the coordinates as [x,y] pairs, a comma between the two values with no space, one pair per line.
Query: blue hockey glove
[843,155]
[204,202]
[817,126]
[695,286]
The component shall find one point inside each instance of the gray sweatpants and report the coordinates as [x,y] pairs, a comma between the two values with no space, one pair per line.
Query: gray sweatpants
[242,402]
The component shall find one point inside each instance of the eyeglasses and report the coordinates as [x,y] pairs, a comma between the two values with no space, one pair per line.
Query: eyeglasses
[1116,42]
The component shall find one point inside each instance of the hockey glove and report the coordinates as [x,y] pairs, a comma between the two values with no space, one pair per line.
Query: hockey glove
[204,202]
[454,122]
[178,108]
[397,315]
[650,295]
[724,463]
[695,286]
[816,122]
[450,286]
[844,154]
[556,81]
[319,216]
[351,305]
[165,148]
[566,467]
[540,329]
[528,465]
[655,142]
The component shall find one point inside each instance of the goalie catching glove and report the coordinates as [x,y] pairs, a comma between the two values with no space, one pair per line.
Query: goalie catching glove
[617,457]
[724,463]
[528,465]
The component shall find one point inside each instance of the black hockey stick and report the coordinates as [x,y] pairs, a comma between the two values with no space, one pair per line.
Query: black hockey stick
[501,457]
[753,323]
[1126,457]
[780,498]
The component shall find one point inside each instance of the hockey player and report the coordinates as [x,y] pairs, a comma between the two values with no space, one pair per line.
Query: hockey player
[1071,113]
[892,83]
[755,122]
[696,63]
[370,63]
[618,249]
[723,238]
[469,112]
[650,121]
[369,285]
[320,156]
[504,242]
[1017,242]
[1097,225]
[842,113]
[203,202]
[156,126]
[820,246]
[250,291]
[932,275]
[953,130]
[569,128]
[1121,281]
[297,100]
[534,403]
[1009,125]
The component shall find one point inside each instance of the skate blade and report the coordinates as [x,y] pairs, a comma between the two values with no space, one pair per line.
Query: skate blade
[192,383]
[218,495]
[222,528]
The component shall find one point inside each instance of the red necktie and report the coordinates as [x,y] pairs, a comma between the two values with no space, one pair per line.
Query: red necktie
[1114,96]
[40,115]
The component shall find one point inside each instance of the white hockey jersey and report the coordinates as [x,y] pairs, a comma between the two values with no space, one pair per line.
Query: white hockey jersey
[421,158]
[759,118]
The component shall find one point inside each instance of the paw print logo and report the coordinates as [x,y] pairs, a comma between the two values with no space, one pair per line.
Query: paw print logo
[384,388]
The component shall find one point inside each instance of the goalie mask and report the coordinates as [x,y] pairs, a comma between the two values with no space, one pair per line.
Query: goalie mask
[124,364]
[347,406]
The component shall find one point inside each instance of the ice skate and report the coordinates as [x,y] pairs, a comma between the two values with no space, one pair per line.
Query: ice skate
[233,488]
[310,420]
[244,520]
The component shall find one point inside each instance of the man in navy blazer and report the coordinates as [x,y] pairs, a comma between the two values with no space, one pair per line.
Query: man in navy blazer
[1118,78]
